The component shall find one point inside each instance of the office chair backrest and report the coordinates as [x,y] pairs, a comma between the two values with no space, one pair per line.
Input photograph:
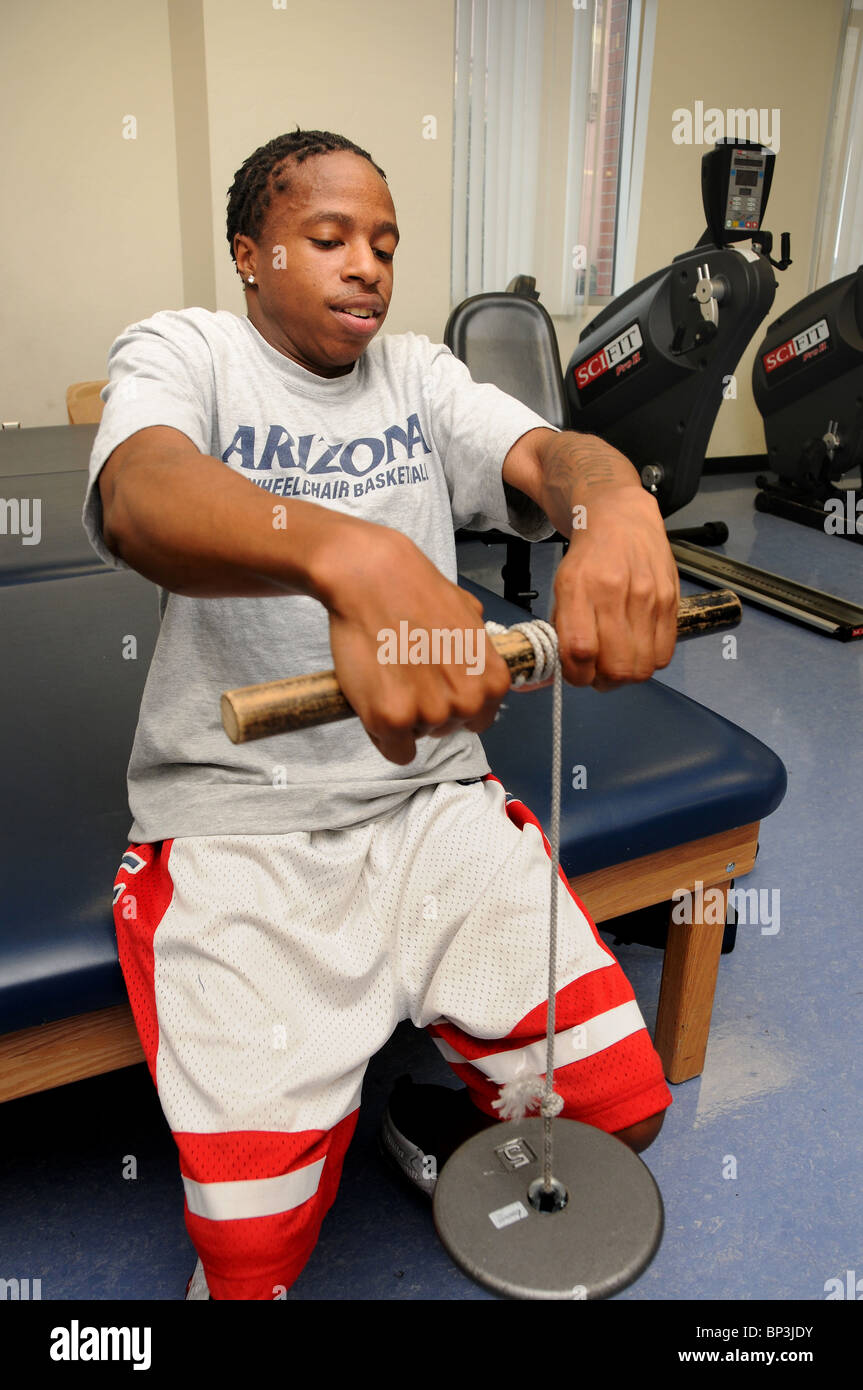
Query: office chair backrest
[510,341]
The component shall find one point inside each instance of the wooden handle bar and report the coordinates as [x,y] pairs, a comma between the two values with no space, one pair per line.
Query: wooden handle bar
[301,702]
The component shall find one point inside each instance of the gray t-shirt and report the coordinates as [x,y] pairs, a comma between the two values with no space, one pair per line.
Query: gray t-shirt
[406,440]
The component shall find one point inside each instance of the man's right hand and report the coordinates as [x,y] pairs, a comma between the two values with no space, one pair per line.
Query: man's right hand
[383,581]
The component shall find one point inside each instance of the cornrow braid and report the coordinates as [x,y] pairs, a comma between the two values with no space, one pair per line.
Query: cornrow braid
[264,174]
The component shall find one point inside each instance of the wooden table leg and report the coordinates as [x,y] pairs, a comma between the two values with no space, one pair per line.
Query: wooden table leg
[688,984]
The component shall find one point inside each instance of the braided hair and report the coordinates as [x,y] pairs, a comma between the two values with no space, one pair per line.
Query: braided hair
[264,174]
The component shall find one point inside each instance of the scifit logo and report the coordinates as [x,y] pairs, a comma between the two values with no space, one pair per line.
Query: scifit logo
[613,353]
[796,346]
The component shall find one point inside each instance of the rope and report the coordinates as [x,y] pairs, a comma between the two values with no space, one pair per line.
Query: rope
[543,638]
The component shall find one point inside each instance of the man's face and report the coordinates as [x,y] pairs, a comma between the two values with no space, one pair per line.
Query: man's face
[337,225]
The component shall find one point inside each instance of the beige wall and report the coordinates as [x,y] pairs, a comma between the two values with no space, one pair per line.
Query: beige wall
[787,61]
[90,220]
[98,235]
[370,71]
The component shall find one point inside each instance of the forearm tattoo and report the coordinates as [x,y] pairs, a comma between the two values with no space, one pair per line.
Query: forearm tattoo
[575,463]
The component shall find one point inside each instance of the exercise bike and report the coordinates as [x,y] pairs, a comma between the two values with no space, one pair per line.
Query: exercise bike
[650,373]
[807,380]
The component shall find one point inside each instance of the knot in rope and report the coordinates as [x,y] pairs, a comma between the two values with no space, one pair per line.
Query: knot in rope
[552,1105]
[543,638]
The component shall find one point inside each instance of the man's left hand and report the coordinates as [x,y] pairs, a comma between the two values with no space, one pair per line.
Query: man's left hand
[616,593]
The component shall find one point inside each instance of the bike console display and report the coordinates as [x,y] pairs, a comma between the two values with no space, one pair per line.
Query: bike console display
[735,184]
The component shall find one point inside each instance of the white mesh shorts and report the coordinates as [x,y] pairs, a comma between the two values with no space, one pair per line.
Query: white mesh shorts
[265,971]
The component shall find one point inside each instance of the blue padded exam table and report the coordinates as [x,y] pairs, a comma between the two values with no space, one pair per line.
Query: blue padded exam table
[675,794]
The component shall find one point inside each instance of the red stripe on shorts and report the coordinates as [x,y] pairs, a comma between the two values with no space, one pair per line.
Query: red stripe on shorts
[256,1257]
[137,914]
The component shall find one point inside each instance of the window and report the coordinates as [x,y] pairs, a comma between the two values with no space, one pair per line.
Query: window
[839,237]
[549,97]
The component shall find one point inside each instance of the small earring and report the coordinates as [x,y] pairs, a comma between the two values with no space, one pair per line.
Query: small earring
[251,280]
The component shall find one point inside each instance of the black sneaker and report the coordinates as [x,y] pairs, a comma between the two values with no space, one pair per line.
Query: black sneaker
[422,1125]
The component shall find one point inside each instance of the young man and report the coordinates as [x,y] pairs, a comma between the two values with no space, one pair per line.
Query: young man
[284,904]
